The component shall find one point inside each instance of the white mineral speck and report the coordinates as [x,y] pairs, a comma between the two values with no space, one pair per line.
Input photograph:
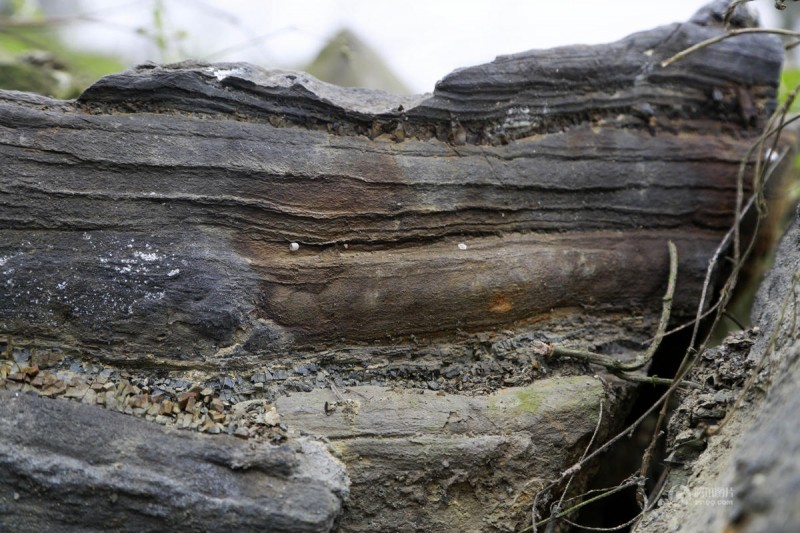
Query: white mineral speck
[462,246]
[294,247]
[146,256]
[174,272]
[221,74]
[771,156]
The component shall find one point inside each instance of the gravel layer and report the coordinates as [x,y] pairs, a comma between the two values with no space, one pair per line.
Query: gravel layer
[241,404]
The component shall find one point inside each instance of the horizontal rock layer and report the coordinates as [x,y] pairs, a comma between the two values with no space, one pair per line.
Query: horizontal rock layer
[425,461]
[154,215]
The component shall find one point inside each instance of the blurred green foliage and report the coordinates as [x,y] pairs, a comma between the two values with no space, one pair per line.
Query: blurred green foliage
[34,58]
[165,39]
[790,79]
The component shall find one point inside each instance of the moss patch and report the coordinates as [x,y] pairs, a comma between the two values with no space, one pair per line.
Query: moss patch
[530,398]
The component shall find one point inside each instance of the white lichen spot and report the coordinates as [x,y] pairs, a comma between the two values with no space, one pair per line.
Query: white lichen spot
[462,246]
[223,73]
[154,295]
[61,286]
[519,110]
[149,256]
[293,247]
[518,117]
[174,272]
[86,236]
[649,52]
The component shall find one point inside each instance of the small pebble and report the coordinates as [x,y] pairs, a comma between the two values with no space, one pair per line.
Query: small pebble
[278,374]
[293,247]
[462,246]
[211,427]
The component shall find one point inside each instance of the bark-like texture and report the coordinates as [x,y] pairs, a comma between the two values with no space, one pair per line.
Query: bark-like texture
[154,214]
[73,467]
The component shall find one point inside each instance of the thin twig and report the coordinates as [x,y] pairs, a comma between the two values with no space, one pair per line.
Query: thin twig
[655,380]
[584,503]
[608,444]
[732,33]
[586,451]
[762,174]
[738,260]
[727,289]
[730,10]
[336,392]
[613,528]
[726,241]
[617,365]
[791,296]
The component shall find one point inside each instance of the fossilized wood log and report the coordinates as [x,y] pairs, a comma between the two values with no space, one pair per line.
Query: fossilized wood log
[535,194]
[73,467]
[154,214]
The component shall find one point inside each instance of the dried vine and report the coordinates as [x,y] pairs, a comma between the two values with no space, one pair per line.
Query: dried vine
[762,173]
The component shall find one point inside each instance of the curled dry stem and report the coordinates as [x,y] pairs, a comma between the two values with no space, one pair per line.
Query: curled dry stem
[732,33]
[761,175]
[613,364]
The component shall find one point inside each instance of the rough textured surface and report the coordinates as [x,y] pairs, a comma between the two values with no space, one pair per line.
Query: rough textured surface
[422,461]
[754,463]
[73,467]
[433,238]
[154,215]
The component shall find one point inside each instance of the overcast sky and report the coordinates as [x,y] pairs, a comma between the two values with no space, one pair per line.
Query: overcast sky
[421,40]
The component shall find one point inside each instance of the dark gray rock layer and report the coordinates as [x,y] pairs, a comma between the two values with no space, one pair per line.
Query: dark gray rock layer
[154,215]
[71,467]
